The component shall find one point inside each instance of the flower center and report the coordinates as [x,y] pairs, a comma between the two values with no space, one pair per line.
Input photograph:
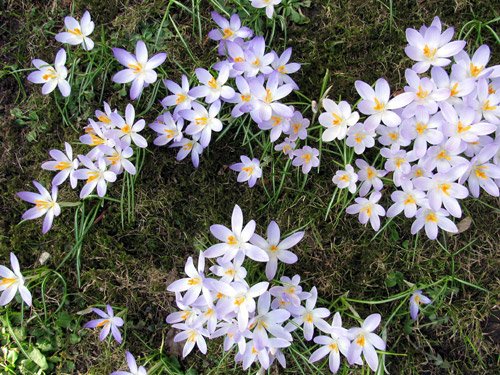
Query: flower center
[429,52]
[245,98]
[307,158]
[92,176]
[43,205]
[137,67]
[379,106]
[228,33]
[487,106]
[104,118]
[180,98]
[360,340]
[421,93]
[7,281]
[248,170]
[62,165]
[213,83]
[443,155]
[201,121]
[269,96]
[475,69]
[431,217]
[231,240]
[479,171]
[454,89]
[420,128]
[75,32]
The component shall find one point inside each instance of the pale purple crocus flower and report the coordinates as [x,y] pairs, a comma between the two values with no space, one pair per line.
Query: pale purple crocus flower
[443,190]
[78,32]
[424,130]
[229,271]
[11,282]
[309,317]
[249,170]
[51,77]
[488,103]
[128,130]
[64,164]
[481,173]
[307,157]
[462,127]
[457,86]
[99,138]
[368,209]
[346,179]
[193,335]
[196,282]
[406,200]
[332,345]
[229,29]
[370,177]
[392,137]
[431,220]
[108,322]
[180,97]
[430,47]
[189,146]
[443,157]
[264,355]
[283,68]
[132,365]
[336,119]
[360,137]
[474,67]
[243,99]
[365,341]
[268,4]
[96,175]
[45,204]
[266,321]
[232,335]
[117,157]
[298,126]
[241,301]
[212,88]
[289,295]
[256,61]
[398,162]
[276,248]
[417,299]
[287,147]
[140,69]
[104,118]
[235,240]
[187,314]
[277,124]
[167,129]
[203,122]
[377,105]
[267,99]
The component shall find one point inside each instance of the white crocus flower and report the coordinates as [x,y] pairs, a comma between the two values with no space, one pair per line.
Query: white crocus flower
[77,32]
[11,282]
[96,174]
[365,341]
[52,77]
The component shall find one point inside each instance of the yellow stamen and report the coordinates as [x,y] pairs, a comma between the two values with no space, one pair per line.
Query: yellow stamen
[394,136]
[296,127]
[126,129]
[378,105]
[43,205]
[429,52]
[491,89]
[333,347]
[49,74]
[115,158]
[91,176]
[194,281]
[431,217]
[345,178]
[475,69]
[75,32]
[443,154]
[421,93]
[368,210]
[239,300]
[102,323]
[337,120]
[461,128]
[445,188]
[269,96]
[104,118]
[245,98]
[231,240]
[420,128]
[170,133]
[188,146]
[454,89]
[256,62]
[487,106]
[276,120]
[192,336]
[479,172]
[308,318]
[399,162]
[230,272]
[228,33]
[361,341]
[358,137]
[307,158]
[282,69]
[7,281]
[273,248]
[370,173]
[180,98]
[409,200]
[201,121]
[95,140]
[239,59]
[186,315]
[137,68]
[213,83]
[419,172]
[248,170]
[62,165]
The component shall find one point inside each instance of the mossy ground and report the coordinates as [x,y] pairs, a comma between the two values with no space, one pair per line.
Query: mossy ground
[175,204]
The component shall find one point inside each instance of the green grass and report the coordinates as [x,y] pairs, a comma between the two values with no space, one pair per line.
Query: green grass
[128,251]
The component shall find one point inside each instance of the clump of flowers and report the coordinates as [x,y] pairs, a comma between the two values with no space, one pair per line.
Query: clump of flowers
[259,318]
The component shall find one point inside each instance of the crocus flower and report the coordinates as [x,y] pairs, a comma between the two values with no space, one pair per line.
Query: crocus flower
[230,271]
[392,137]
[332,345]
[140,69]
[268,4]
[406,200]
[212,88]
[443,157]
[287,147]
[431,220]
[194,335]
[189,146]
[132,365]
[267,99]
[51,77]
[45,204]
[336,119]
[256,61]
[457,86]
[242,99]
[267,321]
[368,209]
[481,173]
[360,137]
[306,157]
[417,299]
[370,177]
[180,97]
[96,174]
[229,29]
[289,295]
[167,129]
[64,164]
[443,190]
[77,32]
[423,129]
[488,103]
[430,47]
[310,317]
[203,122]
[127,130]
[117,157]
[474,67]
[235,240]
[276,248]
[249,170]
[11,282]
[298,126]
[283,68]
[108,322]
[346,178]
[99,138]
[365,341]
[263,356]
[377,105]
[104,118]
[398,162]
[232,335]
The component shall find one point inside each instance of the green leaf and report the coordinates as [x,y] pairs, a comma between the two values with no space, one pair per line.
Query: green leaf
[37,357]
